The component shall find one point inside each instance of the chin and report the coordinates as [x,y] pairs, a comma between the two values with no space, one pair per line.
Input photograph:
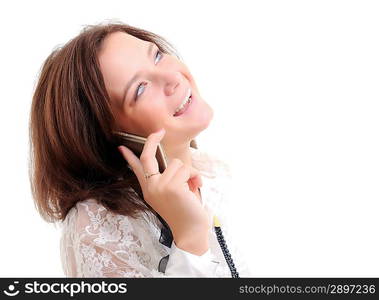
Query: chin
[207,114]
[198,121]
[203,119]
[209,117]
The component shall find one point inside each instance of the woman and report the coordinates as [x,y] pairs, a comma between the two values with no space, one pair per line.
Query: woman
[119,215]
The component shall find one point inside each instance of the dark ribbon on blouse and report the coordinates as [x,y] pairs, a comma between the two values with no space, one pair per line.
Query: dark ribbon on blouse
[166,239]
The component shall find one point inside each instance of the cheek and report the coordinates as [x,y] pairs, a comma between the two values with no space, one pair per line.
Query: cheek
[149,115]
[154,109]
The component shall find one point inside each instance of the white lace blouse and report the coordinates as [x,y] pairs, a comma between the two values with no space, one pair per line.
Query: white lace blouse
[98,243]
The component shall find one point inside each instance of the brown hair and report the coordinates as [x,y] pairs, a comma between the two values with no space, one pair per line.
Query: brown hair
[73,153]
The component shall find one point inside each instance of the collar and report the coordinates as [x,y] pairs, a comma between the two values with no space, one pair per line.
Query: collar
[209,165]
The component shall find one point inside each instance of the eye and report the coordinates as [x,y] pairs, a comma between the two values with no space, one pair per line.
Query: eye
[158,53]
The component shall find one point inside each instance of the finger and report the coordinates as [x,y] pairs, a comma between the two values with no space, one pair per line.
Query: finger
[192,186]
[133,161]
[172,167]
[185,174]
[147,158]
[196,181]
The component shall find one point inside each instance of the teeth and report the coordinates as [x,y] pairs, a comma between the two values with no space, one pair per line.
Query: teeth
[182,105]
[186,99]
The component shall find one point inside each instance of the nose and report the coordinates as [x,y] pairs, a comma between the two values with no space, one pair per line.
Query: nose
[172,80]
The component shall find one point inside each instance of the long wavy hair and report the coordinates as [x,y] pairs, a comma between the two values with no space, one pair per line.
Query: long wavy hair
[73,153]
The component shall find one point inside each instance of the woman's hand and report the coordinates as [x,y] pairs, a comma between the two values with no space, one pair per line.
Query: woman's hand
[171,195]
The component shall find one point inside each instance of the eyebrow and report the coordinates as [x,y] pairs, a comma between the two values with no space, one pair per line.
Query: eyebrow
[134,78]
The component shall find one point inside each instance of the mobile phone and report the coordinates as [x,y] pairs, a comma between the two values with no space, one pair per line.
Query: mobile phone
[136,143]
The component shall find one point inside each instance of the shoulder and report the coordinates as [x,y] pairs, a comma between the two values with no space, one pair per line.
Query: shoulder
[90,218]
[90,213]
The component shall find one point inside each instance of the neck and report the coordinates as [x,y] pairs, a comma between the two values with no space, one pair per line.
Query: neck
[183,152]
[179,151]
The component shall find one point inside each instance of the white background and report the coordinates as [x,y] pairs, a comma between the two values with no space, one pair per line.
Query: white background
[294,86]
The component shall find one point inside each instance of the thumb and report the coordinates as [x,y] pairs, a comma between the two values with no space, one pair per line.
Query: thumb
[195,177]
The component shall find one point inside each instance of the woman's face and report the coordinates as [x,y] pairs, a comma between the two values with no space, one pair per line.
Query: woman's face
[146,88]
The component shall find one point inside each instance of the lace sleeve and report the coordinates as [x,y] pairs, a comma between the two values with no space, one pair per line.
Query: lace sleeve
[97,243]
[100,261]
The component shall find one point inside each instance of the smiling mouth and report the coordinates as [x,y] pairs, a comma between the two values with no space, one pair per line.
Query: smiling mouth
[184,104]
[184,108]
